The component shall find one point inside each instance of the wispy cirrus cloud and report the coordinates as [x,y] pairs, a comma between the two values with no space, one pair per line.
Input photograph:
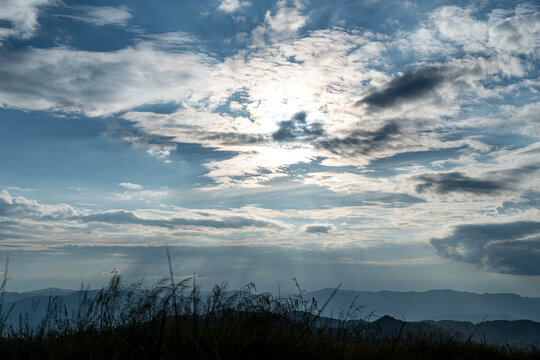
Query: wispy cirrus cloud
[100,15]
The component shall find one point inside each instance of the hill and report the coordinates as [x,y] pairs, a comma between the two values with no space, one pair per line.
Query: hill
[432,305]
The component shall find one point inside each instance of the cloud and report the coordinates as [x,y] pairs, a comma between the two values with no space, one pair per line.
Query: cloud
[495,181]
[349,183]
[253,168]
[155,145]
[20,207]
[191,125]
[129,218]
[102,15]
[522,119]
[22,15]
[231,138]
[318,228]
[503,31]
[99,83]
[511,248]
[130,186]
[416,84]
[297,129]
[444,183]
[363,142]
[283,24]
[238,103]
[508,38]
[325,70]
[231,6]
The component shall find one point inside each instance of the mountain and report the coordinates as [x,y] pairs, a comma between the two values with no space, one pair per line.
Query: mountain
[34,304]
[500,332]
[431,305]
[16,296]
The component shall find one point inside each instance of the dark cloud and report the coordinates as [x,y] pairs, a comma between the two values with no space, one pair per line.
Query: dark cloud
[297,129]
[128,218]
[444,183]
[414,85]
[516,173]
[139,138]
[362,142]
[528,200]
[231,138]
[318,229]
[512,248]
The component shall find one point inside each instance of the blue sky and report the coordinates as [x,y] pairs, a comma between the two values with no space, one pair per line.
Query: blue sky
[379,144]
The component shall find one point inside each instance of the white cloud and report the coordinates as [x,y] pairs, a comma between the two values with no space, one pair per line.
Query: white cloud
[324,73]
[501,38]
[349,183]
[100,83]
[283,24]
[254,168]
[63,224]
[231,6]
[102,15]
[522,119]
[130,186]
[21,207]
[22,15]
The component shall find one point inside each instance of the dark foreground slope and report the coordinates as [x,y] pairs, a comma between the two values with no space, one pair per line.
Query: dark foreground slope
[240,336]
[172,321]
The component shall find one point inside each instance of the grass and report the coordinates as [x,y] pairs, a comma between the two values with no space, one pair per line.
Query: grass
[172,321]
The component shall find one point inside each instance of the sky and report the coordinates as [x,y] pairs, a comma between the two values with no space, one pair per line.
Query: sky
[379,144]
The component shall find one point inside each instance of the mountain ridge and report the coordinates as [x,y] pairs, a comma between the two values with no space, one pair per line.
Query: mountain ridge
[436,304]
[442,304]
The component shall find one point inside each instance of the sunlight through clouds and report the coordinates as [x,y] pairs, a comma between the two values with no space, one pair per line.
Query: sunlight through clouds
[291,123]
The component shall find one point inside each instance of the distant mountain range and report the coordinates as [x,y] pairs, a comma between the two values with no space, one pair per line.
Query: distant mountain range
[431,305]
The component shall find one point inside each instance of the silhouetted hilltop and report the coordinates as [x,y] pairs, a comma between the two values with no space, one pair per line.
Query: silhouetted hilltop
[500,332]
